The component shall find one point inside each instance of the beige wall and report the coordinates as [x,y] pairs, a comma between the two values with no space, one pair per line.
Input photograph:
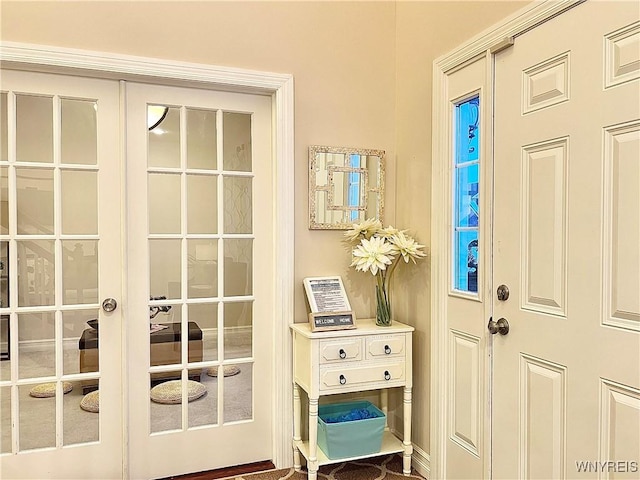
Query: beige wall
[362,74]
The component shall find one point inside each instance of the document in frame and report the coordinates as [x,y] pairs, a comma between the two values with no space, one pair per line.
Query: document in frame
[326,294]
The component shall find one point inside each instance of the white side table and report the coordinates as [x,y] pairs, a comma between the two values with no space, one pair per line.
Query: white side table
[343,361]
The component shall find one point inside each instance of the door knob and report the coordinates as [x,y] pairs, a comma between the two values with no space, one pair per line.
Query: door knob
[501,326]
[109,304]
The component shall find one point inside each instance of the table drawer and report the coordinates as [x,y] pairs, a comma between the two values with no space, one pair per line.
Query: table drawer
[340,350]
[385,346]
[374,376]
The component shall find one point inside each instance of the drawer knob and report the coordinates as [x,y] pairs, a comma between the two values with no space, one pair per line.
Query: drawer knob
[342,353]
[343,380]
[387,375]
[387,350]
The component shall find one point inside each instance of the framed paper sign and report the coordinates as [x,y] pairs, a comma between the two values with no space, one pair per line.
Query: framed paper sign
[330,308]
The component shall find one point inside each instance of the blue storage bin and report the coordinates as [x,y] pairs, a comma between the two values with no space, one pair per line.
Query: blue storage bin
[351,438]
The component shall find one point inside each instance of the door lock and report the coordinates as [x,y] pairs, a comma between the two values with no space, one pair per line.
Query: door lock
[501,326]
[503,293]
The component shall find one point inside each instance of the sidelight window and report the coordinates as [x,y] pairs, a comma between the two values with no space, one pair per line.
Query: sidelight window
[466,195]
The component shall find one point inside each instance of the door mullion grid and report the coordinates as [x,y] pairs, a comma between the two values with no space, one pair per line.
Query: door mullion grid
[57,258]
[13,265]
[221,289]
[184,335]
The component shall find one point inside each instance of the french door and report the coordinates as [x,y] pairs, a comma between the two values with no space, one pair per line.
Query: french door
[203,243]
[174,248]
[61,257]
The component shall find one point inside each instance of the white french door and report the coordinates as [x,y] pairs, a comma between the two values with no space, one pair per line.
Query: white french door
[198,242]
[200,249]
[60,225]
[566,377]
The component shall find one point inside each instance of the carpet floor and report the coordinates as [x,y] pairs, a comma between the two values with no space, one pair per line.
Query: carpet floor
[375,468]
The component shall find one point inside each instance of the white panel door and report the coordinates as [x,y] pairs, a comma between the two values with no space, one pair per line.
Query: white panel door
[200,233]
[61,256]
[566,377]
[467,371]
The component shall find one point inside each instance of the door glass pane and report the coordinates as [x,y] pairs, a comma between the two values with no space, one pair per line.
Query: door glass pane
[79,138]
[165,397]
[4,148]
[467,260]
[238,329]
[164,268]
[36,340]
[202,268]
[164,140]
[238,394]
[80,271]
[4,274]
[34,129]
[164,203]
[201,139]
[5,357]
[36,430]
[35,201]
[237,141]
[81,421]
[237,205]
[205,316]
[467,208]
[78,339]
[202,204]
[4,201]
[204,410]
[36,267]
[79,200]
[238,267]
[5,419]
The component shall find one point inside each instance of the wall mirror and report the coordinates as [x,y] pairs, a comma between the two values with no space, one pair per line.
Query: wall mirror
[346,185]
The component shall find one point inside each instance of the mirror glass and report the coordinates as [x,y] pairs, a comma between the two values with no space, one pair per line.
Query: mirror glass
[346,185]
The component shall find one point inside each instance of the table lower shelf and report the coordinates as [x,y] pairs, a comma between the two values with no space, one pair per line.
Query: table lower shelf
[390,444]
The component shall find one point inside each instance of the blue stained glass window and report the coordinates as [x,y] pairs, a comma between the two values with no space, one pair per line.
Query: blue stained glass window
[466,195]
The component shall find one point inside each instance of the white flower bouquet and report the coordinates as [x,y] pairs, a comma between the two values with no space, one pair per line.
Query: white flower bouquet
[379,250]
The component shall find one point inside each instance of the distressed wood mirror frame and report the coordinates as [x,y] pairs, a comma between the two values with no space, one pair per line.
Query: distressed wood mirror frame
[346,185]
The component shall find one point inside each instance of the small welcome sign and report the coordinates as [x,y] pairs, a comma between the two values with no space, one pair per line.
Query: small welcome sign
[331,321]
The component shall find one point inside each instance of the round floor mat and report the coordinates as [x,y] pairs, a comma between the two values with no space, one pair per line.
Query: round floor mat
[171,392]
[229,370]
[91,402]
[45,390]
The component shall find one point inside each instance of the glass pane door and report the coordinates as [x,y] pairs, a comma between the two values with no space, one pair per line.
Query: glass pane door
[56,171]
[204,234]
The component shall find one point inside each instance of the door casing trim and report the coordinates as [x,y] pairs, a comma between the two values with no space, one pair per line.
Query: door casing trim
[44,58]
[486,43]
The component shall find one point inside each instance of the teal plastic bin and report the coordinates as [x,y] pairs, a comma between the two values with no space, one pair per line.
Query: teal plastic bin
[352,438]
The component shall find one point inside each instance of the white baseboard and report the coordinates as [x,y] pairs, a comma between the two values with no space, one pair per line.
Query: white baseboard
[421,461]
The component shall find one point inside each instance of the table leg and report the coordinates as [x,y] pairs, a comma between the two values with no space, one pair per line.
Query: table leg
[384,406]
[408,446]
[312,461]
[297,414]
